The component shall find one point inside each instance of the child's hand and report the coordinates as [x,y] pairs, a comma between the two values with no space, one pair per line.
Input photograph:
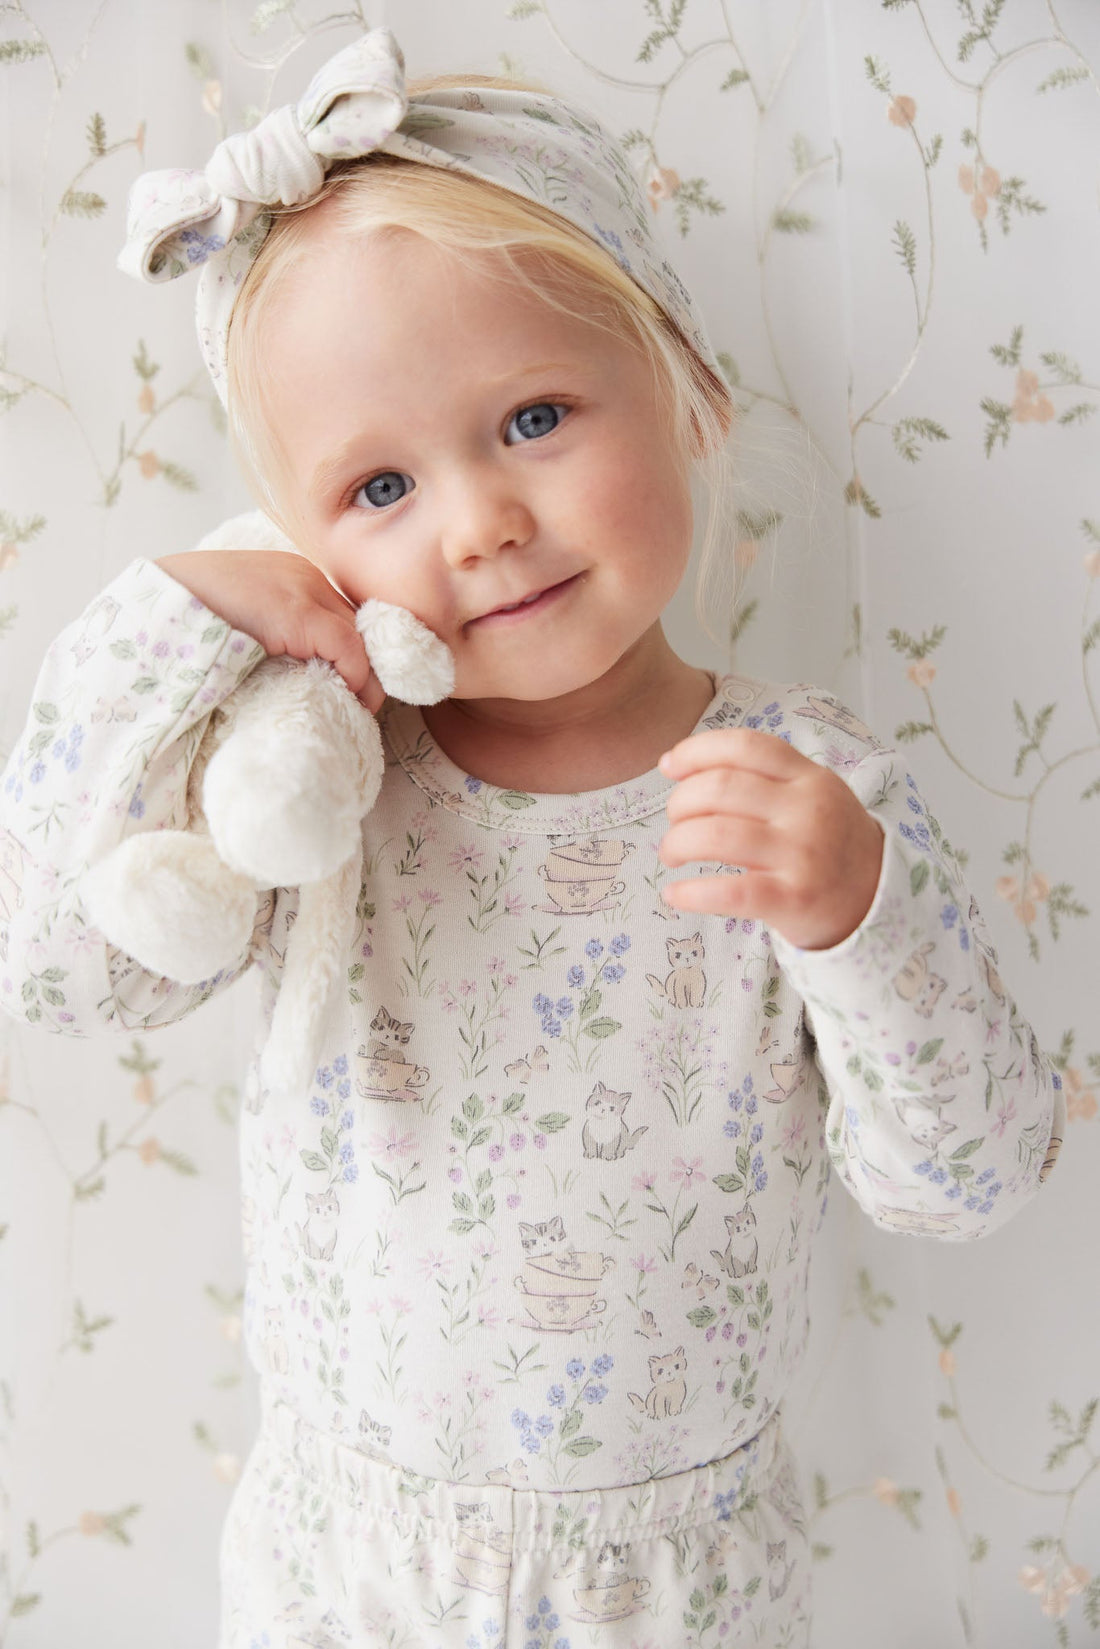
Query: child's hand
[811,852]
[286,603]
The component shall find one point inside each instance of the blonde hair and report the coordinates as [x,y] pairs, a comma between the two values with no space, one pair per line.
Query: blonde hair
[469,215]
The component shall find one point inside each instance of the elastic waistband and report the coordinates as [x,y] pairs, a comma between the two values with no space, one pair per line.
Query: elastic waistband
[367,1482]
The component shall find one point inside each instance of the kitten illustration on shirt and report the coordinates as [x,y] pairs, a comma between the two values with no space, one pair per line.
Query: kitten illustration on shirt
[669,1389]
[686,985]
[318,1235]
[742,1228]
[605,1133]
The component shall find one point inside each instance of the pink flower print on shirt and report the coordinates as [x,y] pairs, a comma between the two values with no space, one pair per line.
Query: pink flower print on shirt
[390,1145]
[686,1172]
[466,856]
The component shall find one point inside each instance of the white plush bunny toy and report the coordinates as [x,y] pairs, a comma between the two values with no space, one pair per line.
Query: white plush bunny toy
[278,787]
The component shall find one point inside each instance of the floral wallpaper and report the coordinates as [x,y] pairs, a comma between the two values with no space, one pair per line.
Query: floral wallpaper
[887,209]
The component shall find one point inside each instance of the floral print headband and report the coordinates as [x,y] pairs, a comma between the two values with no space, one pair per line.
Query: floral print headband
[537,146]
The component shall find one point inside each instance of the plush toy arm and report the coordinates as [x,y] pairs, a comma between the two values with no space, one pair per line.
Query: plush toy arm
[286,789]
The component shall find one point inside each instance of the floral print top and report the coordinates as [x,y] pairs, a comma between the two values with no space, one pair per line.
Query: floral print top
[545,1214]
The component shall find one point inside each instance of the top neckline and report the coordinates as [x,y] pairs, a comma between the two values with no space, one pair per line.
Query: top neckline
[544,813]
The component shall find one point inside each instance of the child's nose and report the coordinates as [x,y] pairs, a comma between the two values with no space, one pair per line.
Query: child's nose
[483,512]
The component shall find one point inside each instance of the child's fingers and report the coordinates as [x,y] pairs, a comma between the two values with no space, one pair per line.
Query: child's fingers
[755,895]
[721,840]
[733,791]
[335,638]
[741,747]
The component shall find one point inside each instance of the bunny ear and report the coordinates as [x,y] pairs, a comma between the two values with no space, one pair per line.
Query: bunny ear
[409,660]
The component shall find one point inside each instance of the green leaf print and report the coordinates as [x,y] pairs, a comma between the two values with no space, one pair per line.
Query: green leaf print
[582,1445]
[600,1028]
[82,203]
[21,51]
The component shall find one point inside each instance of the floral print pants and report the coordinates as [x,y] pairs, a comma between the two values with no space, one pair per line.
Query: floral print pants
[327,1546]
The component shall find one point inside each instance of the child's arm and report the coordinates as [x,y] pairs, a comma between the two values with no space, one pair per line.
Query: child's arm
[944,1116]
[117,712]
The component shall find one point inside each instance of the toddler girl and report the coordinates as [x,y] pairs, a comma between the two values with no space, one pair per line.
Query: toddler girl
[525,1302]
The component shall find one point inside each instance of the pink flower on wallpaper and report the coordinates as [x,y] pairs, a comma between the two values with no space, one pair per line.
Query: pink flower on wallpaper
[902,111]
[982,186]
[1054,1585]
[1029,406]
[1023,901]
[661,184]
[1080,1101]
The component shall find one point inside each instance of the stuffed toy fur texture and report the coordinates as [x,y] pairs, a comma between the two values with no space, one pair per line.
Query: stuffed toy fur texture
[277,790]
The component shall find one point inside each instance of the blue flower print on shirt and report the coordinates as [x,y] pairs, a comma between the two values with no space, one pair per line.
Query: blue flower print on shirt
[770,718]
[68,750]
[593,950]
[472,785]
[544,1621]
[198,247]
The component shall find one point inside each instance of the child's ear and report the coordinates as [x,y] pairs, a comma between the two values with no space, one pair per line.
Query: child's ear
[410,661]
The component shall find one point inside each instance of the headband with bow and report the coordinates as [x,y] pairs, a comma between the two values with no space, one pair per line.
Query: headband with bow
[537,146]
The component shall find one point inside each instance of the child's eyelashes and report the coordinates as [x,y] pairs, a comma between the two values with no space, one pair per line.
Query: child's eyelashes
[387,488]
[540,418]
[529,423]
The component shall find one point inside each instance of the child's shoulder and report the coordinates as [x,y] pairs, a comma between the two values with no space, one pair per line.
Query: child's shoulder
[812,719]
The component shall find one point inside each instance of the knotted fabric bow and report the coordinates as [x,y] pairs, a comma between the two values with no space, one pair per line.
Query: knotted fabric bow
[535,145]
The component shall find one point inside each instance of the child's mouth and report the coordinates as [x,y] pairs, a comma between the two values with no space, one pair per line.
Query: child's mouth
[516,615]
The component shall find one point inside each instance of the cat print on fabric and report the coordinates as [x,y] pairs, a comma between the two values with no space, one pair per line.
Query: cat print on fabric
[274,1341]
[686,985]
[923,1121]
[560,1285]
[391,1036]
[669,1389]
[607,1591]
[546,1240]
[605,1133]
[384,1070]
[741,1227]
[482,1551]
[582,876]
[318,1235]
[916,984]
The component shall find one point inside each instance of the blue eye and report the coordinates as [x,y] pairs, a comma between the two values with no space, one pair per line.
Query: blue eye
[533,421]
[388,488]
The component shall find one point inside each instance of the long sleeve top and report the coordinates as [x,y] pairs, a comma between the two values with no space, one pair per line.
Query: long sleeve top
[545,1213]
